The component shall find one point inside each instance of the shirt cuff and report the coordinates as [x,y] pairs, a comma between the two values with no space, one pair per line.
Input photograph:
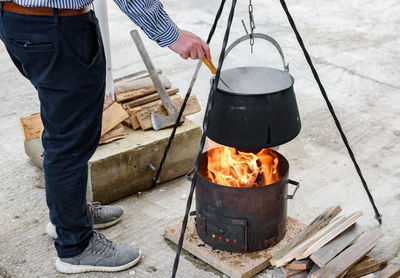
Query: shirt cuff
[169,36]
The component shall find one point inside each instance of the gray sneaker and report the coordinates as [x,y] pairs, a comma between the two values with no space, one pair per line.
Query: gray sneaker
[102,217]
[100,255]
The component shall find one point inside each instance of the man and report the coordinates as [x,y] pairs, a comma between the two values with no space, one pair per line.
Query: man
[57,45]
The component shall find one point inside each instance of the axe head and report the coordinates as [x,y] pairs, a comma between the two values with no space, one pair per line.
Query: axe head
[160,121]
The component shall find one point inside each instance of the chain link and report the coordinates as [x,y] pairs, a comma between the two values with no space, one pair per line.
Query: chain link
[252,25]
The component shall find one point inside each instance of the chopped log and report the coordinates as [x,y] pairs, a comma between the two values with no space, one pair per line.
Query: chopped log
[133,119]
[317,224]
[312,270]
[328,236]
[366,266]
[138,88]
[305,264]
[330,250]
[391,271]
[32,126]
[147,99]
[344,273]
[121,82]
[133,76]
[350,256]
[289,272]
[144,116]
[112,116]
[132,111]
[290,255]
[118,132]
[127,122]
[107,102]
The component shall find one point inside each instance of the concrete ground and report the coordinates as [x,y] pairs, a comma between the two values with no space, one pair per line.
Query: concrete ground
[355,47]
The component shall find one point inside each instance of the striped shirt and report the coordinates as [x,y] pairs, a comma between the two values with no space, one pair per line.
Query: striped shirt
[149,15]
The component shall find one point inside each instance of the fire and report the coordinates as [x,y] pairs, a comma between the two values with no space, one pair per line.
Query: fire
[230,167]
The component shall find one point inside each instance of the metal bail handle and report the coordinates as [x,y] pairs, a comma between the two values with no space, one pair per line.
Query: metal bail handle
[259,36]
[297,185]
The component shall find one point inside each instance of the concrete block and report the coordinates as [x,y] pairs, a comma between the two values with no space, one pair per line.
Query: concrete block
[120,168]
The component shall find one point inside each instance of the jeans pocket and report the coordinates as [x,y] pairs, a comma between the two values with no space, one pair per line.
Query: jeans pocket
[32,45]
[82,42]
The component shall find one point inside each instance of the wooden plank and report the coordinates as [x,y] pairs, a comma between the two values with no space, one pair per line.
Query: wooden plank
[343,274]
[391,271]
[132,111]
[112,116]
[366,266]
[118,132]
[290,255]
[304,264]
[330,250]
[144,116]
[138,88]
[32,126]
[289,272]
[350,256]
[147,99]
[317,224]
[107,102]
[368,276]
[127,122]
[133,76]
[312,270]
[328,236]
[133,119]
[234,265]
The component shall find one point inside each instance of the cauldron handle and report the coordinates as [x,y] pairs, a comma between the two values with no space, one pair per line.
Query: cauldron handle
[297,185]
[259,36]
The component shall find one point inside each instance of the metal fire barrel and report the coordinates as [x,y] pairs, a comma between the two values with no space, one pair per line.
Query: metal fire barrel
[241,219]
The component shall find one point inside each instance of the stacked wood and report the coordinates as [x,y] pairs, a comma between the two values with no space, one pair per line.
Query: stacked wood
[333,246]
[138,96]
[32,126]
[113,116]
[112,129]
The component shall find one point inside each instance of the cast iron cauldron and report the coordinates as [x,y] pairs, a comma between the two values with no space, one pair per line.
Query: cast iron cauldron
[259,110]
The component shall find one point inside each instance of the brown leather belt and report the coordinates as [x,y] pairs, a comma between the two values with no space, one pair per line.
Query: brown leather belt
[15,8]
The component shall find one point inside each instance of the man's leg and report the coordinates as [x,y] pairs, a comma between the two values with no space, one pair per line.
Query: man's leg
[69,76]
[63,58]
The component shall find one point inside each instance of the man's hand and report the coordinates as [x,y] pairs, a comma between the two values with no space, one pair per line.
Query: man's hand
[190,45]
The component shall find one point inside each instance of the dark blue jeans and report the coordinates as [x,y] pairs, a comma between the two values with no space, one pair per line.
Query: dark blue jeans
[63,58]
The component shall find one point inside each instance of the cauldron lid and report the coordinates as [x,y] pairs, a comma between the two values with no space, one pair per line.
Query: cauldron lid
[255,80]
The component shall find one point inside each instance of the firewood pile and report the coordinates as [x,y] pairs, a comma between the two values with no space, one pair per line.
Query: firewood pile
[138,96]
[333,246]
[136,99]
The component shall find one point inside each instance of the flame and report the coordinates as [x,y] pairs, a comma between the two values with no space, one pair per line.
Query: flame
[230,167]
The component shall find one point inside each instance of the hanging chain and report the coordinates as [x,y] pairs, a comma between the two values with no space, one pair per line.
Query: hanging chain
[252,25]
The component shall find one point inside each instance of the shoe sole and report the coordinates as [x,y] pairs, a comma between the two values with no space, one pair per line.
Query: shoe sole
[74,269]
[107,224]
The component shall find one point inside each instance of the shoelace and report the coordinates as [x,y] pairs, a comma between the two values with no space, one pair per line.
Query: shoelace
[101,245]
[95,209]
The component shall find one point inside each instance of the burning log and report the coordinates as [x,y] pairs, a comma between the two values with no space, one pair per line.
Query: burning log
[231,167]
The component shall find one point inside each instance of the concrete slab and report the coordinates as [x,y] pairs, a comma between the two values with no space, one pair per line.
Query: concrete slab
[120,168]
[354,45]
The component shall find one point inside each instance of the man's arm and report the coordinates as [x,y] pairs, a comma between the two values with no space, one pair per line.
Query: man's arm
[151,17]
